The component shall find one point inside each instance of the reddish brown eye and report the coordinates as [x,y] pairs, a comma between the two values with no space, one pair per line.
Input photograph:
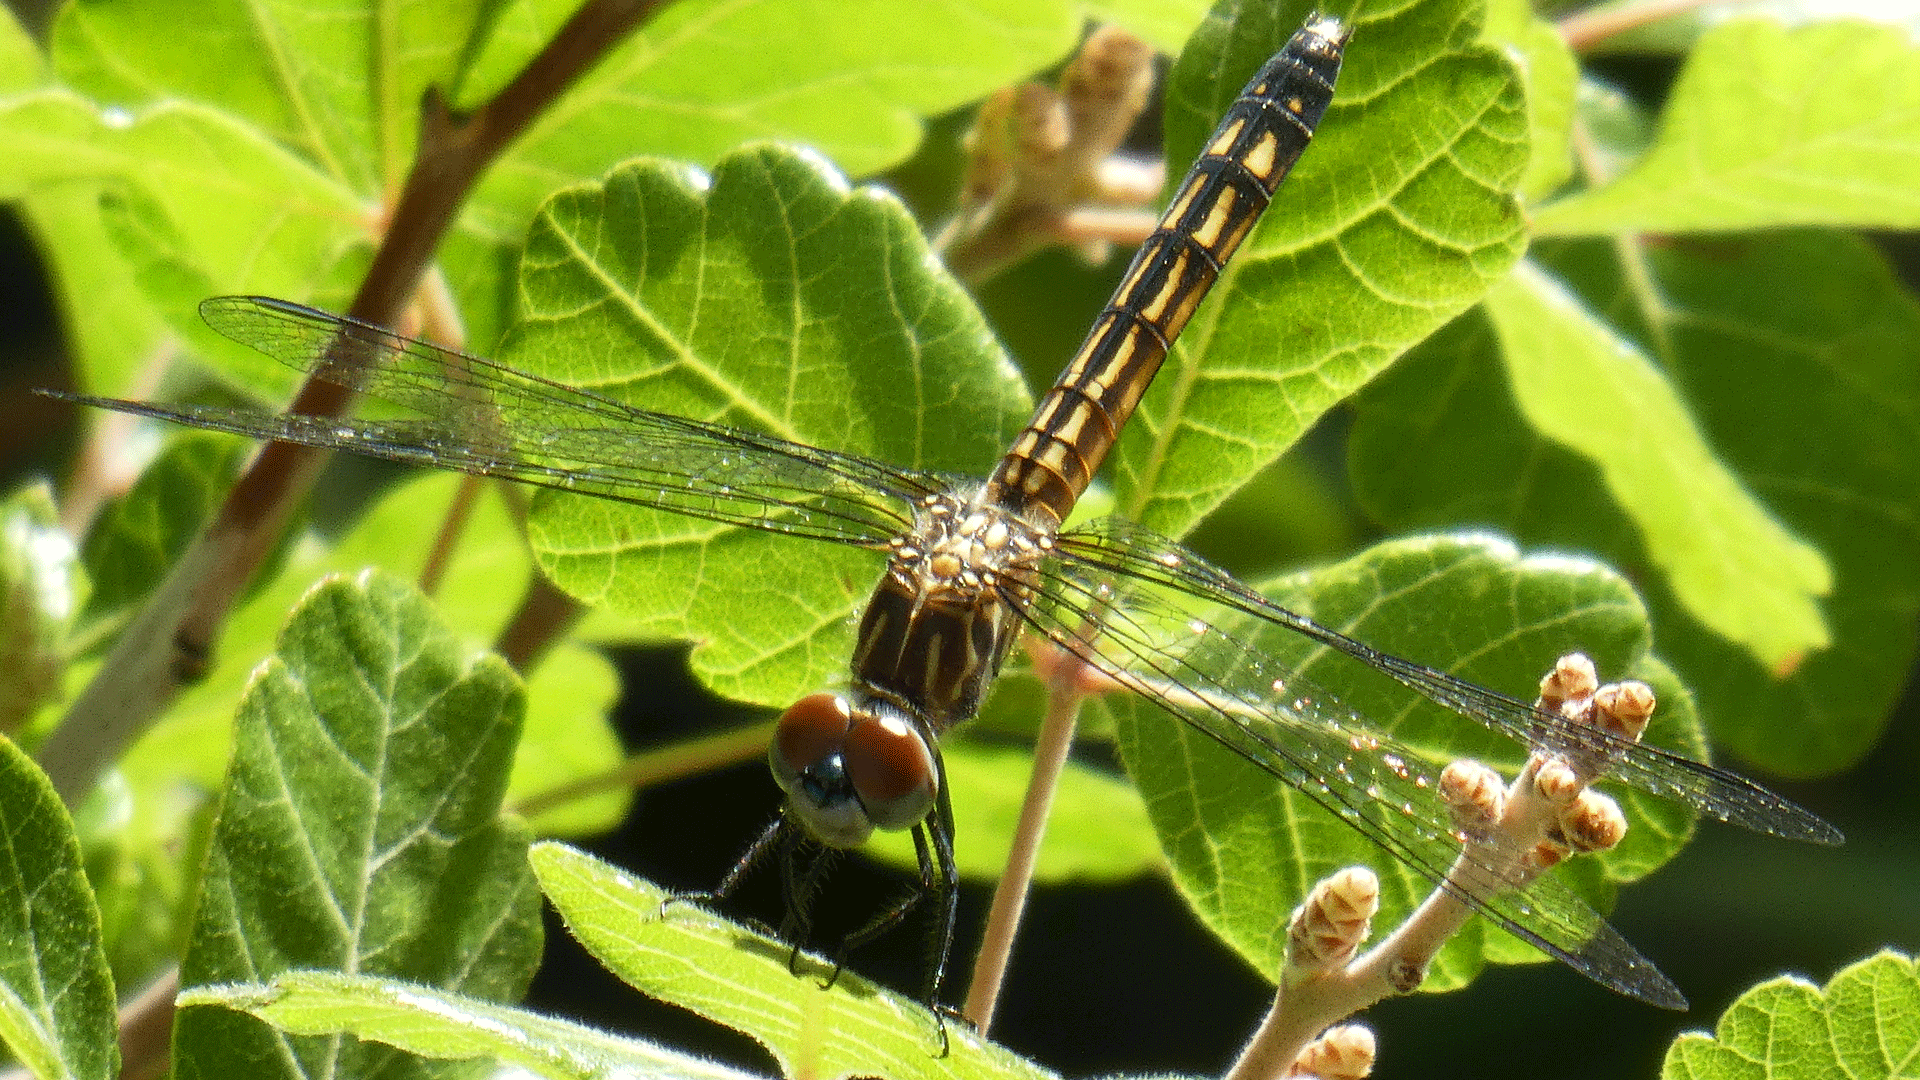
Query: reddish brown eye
[892,770]
[811,732]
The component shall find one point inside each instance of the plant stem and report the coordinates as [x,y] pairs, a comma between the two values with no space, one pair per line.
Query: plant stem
[1065,690]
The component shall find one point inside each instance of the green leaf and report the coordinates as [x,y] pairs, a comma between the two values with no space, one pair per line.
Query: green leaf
[434,1024]
[41,584]
[1734,566]
[1796,351]
[1097,831]
[1864,1025]
[211,200]
[1164,24]
[338,96]
[567,738]
[56,995]
[736,976]
[111,331]
[360,828]
[772,298]
[21,64]
[1398,217]
[138,537]
[1245,847]
[1770,126]
[818,75]
[1552,74]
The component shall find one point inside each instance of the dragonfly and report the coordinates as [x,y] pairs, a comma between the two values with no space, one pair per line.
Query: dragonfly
[973,564]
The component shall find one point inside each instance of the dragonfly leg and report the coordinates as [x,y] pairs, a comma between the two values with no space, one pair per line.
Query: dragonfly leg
[771,839]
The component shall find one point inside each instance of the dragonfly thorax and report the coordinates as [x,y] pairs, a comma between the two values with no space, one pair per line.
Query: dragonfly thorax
[851,767]
[961,549]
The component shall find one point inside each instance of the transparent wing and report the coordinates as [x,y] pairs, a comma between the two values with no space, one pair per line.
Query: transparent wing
[1140,555]
[1147,638]
[482,417]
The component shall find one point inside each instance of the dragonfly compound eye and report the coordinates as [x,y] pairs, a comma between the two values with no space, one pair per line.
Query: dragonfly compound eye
[808,759]
[892,769]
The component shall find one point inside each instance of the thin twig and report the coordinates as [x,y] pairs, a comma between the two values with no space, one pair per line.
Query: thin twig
[146,1029]
[544,616]
[1067,686]
[1586,29]
[657,767]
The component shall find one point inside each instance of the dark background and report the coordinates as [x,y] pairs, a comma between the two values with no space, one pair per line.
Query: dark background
[1106,979]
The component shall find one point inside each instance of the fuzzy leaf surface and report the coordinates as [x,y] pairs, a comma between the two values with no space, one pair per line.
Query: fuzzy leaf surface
[360,830]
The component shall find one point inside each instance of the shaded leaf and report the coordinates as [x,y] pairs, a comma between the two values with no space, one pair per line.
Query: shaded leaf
[1770,126]
[1864,1025]
[728,973]
[1734,566]
[1245,847]
[770,298]
[1398,217]
[137,538]
[360,828]
[56,995]
[435,1024]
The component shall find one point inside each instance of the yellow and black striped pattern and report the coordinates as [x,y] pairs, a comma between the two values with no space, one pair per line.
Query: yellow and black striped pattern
[1262,135]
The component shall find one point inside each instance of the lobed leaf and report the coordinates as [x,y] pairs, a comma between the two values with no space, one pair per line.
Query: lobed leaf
[770,297]
[1864,1024]
[1245,848]
[360,829]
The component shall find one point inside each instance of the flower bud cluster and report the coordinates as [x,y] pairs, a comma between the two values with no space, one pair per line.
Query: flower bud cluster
[1331,923]
[1344,1052]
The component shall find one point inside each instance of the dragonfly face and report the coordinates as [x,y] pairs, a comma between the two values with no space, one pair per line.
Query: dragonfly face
[933,636]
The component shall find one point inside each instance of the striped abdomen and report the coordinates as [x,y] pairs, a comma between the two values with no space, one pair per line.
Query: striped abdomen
[1250,153]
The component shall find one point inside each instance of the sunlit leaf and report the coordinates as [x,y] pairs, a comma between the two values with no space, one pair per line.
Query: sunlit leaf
[728,973]
[1734,566]
[56,995]
[1399,216]
[1551,73]
[1769,126]
[772,298]
[1864,1025]
[360,829]
[1794,351]
[434,1024]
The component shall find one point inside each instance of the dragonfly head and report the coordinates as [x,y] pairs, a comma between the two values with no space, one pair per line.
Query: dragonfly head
[848,770]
